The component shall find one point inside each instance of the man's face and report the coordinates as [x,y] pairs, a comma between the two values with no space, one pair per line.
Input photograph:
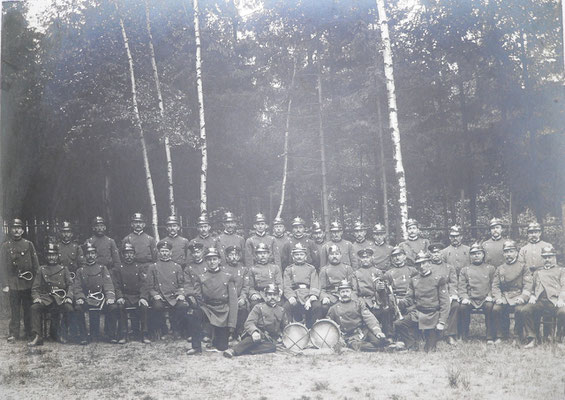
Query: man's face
[129,256]
[510,255]
[424,266]
[455,240]
[496,231]
[16,232]
[360,235]
[262,257]
[398,259]
[335,257]
[173,229]
[67,236]
[278,230]
[365,261]
[233,257]
[379,238]
[435,255]
[99,229]
[198,253]
[335,236]
[204,229]
[298,230]
[52,258]
[413,231]
[90,256]
[230,226]
[534,236]
[213,263]
[345,294]
[164,253]
[137,226]
[549,261]
[318,236]
[271,298]
[299,257]
[260,227]
[477,257]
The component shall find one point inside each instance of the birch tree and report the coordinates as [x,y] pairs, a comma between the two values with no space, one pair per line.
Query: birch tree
[393,114]
[148,177]
[325,205]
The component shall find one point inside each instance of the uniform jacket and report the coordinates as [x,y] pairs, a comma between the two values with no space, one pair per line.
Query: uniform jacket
[217,297]
[106,250]
[330,278]
[413,247]
[279,245]
[240,275]
[261,275]
[552,282]
[429,299]
[144,245]
[193,269]
[312,255]
[448,272]
[353,315]
[266,319]
[129,281]
[512,281]
[475,283]
[17,257]
[301,282]
[346,252]
[51,277]
[71,256]
[208,242]
[165,278]
[456,256]
[493,251]
[530,255]
[381,256]
[317,253]
[366,284]
[225,240]
[355,247]
[180,250]
[253,241]
[92,279]
[399,278]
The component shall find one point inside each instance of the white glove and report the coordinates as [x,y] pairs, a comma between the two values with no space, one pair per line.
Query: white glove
[143,302]
[121,300]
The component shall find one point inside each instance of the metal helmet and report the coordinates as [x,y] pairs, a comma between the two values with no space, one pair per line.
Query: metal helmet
[335,226]
[534,226]
[212,252]
[509,244]
[455,230]
[344,284]
[476,247]
[365,252]
[16,222]
[66,226]
[228,217]
[203,220]
[298,221]
[262,248]
[299,248]
[164,243]
[494,222]
[359,226]
[397,250]
[172,219]
[278,221]
[137,217]
[421,257]
[271,288]
[412,221]
[260,218]
[52,248]
[128,247]
[548,251]
[98,220]
[317,227]
[379,228]
[435,246]
[195,246]
[89,246]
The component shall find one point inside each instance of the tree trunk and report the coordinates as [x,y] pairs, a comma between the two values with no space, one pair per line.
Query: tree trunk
[203,141]
[148,178]
[325,203]
[384,183]
[287,127]
[161,111]
[393,115]
[106,194]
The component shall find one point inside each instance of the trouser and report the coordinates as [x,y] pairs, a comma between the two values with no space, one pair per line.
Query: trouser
[177,314]
[532,314]
[298,313]
[248,346]
[196,319]
[501,320]
[139,319]
[465,319]
[385,318]
[319,310]
[242,314]
[20,299]
[407,330]
[110,312]
[368,342]
[452,319]
[55,310]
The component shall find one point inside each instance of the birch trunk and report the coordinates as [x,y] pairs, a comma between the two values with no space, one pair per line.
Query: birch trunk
[148,178]
[325,208]
[393,115]
[384,183]
[285,167]
[161,111]
[203,141]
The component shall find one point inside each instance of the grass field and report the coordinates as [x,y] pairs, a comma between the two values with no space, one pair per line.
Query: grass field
[163,371]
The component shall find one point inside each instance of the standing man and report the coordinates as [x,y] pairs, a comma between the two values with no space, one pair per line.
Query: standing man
[318,235]
[204,236]
[70,252]
[179,244]
[456,254]
[428,295]
[511,290]
[197,265]
[493,246]
[106,249]
[19,267]
[474,289]
[299,236]
[52,290]
[144,245]
[262,274]
[381,249]
[240,274]
[281,240]
[530,254]
[228,238]
[259,236]
[360,243]
[400,273]
[345,246]
[415,242]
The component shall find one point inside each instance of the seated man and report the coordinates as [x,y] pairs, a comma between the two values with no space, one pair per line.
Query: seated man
[165,290]
[214,293]
[52,290]
[360,329]
[475,282]
[129,282]
[261,274]
[399,275]
[263,326]
[428,300]
[94,292]
[241,277]
[548,296]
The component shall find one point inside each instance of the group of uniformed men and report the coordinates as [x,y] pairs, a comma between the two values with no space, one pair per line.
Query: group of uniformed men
[224,290]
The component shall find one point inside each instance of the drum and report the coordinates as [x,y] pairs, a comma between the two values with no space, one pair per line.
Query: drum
[325,334]
[295,337]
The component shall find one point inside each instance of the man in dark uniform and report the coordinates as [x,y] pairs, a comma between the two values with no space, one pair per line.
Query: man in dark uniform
[228,238]
[197,264]
[360,243]
[381,249]
[399,275]
[301,287]
[204,236]
[214,292]
[261,274]
[359,328]
[299,236]
[52,290]
[106,249]
[179,244]
[259,236]
[94,292]
[456,254]
[494,254]
[428,302]
[530,253]
[144,245]
[318,235]
[165,289]
[511,290]
[345,246]
[263,327]
[19,267]
[241,278]
[474,290]
[281,240]
[70,252]
[415,242]
[129,282]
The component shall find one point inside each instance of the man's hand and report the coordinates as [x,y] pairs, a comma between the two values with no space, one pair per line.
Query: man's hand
[488,298]
[68,300]
[292,301]
[440,326]
[143,302]
[325,300]
[499,301]
[255,296]
[454,298]
[110,301]
[37,301]
[532,300]
[6,289]
[560,303]
[192,300]
[465,301]
[181,297]
[380,335]
[121,301]
[256,336]
[80,302]
[241,302]
[308,303]
[520,300]
[157,297]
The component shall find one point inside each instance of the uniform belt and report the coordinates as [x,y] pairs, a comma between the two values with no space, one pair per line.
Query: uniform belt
[300,286]
[427,309]
[215,302]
